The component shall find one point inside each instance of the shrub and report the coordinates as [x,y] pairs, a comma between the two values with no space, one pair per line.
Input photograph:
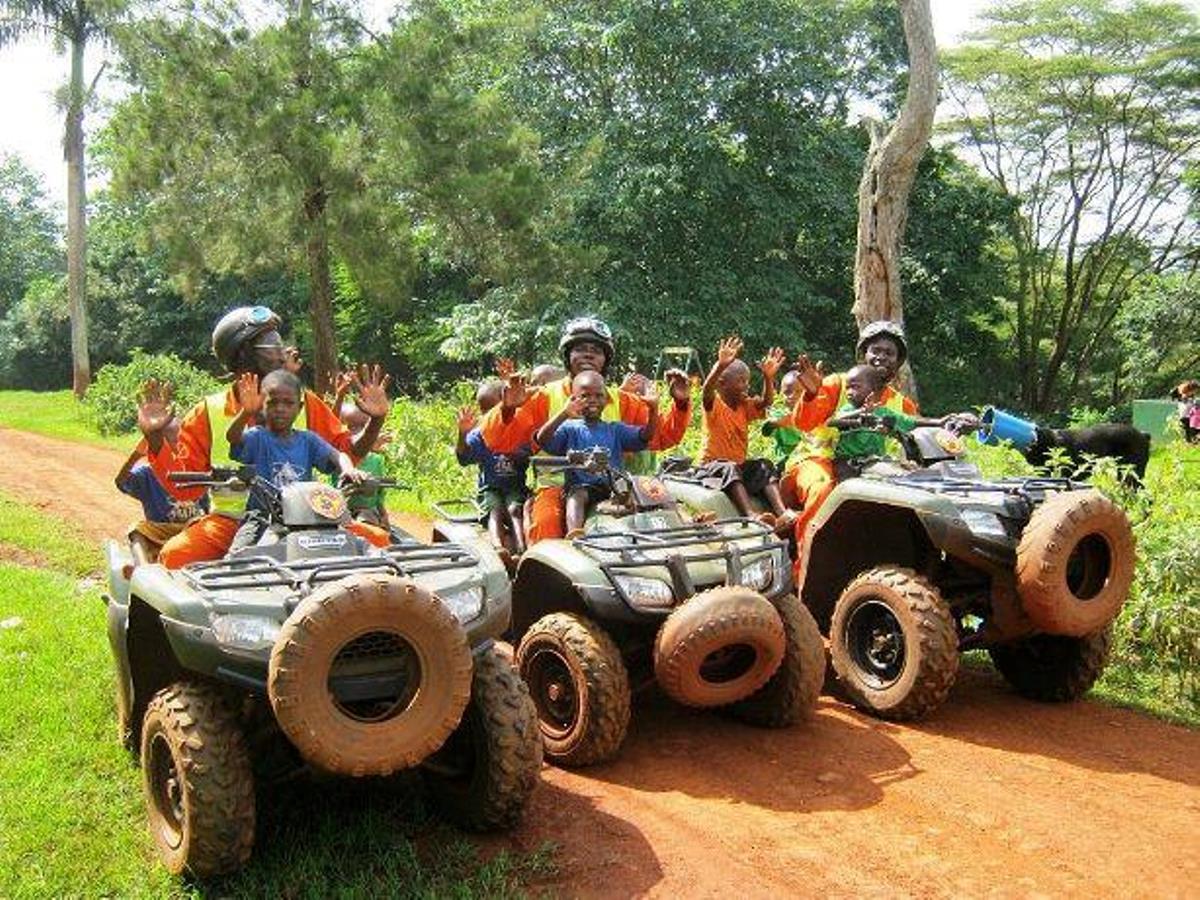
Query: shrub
[421,452]
[112,398]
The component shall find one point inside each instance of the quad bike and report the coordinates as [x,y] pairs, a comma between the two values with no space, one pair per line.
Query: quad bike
[910,563]
[706,608]
[314,650]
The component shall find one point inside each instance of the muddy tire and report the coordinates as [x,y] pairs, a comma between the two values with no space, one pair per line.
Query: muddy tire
[197,781]
[719,647]
[893,643]
[579,687]
[791,694]
[369,675]
[1053,668]
[1075,563]
[483,775]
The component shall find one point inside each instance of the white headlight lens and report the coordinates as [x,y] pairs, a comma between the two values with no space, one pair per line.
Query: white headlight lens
[759,574]
[648,592]
[465,603]
[981,521]
[246,632]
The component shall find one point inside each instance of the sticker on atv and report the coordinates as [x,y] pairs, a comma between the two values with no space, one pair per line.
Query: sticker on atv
[321,541]
[327,502]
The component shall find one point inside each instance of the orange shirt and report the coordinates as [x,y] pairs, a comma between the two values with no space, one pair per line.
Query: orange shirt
[191,451]
[727,430]
[506,437]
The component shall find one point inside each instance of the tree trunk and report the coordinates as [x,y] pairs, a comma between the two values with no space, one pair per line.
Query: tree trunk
[320,286]
[888,174]
[77,224]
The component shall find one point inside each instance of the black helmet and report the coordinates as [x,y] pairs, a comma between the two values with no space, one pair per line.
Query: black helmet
[885,328]
[586,328]
[239,325]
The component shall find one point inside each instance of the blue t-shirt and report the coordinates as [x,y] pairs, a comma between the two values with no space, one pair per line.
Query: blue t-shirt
[577,434]
[497,471]
[282,460]
[157,504]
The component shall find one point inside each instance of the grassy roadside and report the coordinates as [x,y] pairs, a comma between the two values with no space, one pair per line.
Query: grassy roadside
[72,821]
[55,414]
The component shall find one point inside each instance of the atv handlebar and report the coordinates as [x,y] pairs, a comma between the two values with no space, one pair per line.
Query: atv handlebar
[594,460]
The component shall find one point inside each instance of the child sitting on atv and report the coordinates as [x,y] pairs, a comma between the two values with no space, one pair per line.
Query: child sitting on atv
[854,442]
[278,452]
[366,505]
[728,412]
[163,514]
[501,487]
[579,427]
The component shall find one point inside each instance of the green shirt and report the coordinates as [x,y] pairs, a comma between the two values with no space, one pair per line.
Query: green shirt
[861,442]
[785,436]
[372,463]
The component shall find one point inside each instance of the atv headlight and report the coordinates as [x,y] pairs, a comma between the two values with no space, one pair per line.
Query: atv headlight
[759,574]
[245,632]
[648,592]
[465,603]
[980,521]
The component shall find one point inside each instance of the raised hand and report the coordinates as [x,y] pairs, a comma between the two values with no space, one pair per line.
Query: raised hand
[634,383]
[809,374]
[385,438]
[245,388]
[505,368]
[575,408]
[370,385]
[728,350]
[650,394]
[466,419]
[770,364]
[155,409]
[516,391]
[677,383]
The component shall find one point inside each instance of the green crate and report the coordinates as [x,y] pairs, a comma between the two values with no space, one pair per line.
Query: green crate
[1154,416]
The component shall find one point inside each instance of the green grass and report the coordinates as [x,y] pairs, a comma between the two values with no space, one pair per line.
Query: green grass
[72,821]
[55,414]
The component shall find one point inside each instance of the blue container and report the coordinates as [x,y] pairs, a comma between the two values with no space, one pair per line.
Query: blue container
[995,426]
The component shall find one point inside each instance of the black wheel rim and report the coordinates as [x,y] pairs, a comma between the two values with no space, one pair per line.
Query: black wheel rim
[374,677]
[555,691]
[166,790]
[1088,567]
[728,664]
[875,641]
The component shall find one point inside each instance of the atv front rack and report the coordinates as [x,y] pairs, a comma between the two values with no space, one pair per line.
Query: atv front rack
[303,575]
[632,549]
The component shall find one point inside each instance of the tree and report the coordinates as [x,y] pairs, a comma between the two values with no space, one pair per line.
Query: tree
[887,179]
[1087,114]
[72,24]
[312,143]
[29,235]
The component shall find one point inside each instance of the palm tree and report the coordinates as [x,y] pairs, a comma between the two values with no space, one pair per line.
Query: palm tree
[70,24]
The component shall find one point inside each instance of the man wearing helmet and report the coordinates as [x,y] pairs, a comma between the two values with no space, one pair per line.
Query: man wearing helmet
[586,346]
[246,339]
[809,474]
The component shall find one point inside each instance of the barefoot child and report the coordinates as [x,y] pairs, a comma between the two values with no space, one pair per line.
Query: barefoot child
[502,488]
[278,452]
[728,412]
[579,427]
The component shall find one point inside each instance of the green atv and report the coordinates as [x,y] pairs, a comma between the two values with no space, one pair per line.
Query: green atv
[314,651]
[706,608]
[908,564]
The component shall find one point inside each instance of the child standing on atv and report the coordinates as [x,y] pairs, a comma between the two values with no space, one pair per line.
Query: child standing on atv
[163,514]
[366,505]
[279,453]
[728,412]
[579,427]
[502,488]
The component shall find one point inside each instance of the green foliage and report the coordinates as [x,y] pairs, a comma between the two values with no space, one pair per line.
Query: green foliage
[55,414]
[421,453]
[30,239]
[112,398]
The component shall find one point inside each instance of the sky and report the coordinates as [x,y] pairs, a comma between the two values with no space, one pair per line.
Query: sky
[31,73]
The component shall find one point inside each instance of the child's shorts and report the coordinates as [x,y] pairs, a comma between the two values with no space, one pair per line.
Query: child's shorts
[157,533]
[501,498]
[755,474]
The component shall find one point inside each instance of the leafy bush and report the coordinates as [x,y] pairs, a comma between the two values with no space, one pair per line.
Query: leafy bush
[421,452]
[112,398]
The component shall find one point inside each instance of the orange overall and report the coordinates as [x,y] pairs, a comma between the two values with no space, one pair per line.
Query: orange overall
[210,536]
[546,518]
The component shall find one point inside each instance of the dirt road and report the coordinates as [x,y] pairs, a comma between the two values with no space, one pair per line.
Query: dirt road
[993,795]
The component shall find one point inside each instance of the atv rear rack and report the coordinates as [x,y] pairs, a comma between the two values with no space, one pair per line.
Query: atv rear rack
[1017,487]
[633,545]
[302,575]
